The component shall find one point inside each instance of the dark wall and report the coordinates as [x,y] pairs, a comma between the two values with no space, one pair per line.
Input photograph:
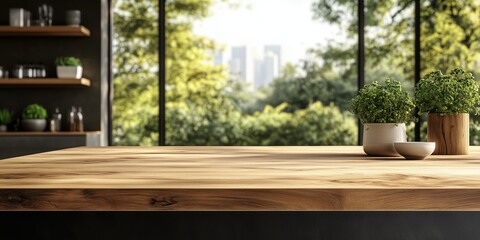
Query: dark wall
[91,50]
[241,225]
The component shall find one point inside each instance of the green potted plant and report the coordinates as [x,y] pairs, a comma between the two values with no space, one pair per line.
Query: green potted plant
[448,100]
[69,67]
[5,119]
[34,118]
[384,110]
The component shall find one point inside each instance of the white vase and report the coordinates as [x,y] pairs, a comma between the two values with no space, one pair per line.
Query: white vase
[69,72]
[378,138]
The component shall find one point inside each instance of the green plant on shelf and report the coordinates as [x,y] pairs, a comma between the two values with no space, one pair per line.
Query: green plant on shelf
[454,93]
[387,103]
[5,116]
[68,61]
[34,111]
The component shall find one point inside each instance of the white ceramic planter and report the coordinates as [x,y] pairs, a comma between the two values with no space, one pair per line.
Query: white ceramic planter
[3,128]
[378,138]
[69,72]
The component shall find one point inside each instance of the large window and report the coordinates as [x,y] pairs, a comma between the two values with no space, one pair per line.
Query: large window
[266,72]
[258,73]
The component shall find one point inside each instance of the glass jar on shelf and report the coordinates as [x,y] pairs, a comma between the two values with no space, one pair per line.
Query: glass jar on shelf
[18,71]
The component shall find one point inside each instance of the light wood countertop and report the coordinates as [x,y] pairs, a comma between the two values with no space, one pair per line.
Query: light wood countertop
[237,178]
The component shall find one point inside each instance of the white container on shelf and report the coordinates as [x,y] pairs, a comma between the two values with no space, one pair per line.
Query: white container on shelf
[69,72]
[17,16]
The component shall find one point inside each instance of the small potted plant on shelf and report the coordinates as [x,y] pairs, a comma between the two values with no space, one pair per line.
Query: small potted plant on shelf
[5,119]
[69,67]
[448,100]
[384,110]
[34,118]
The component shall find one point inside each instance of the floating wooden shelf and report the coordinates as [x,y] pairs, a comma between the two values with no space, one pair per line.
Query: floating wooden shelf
[48,31]
[48,133]
[47,82]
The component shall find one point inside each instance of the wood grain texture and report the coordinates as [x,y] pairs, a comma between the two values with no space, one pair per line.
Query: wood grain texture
[241,199]
[449,132]
[47,31]
[237,178]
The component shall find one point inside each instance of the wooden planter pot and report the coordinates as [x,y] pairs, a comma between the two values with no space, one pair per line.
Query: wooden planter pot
[449,132]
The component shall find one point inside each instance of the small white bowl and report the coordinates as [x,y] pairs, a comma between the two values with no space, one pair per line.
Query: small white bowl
[414,150]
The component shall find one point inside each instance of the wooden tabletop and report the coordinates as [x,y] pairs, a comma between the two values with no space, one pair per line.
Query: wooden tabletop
[237,178]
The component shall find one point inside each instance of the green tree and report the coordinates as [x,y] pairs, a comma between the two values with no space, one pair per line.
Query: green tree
[199,109]
[135,60]
[312,83]
[315,125]
[449,32]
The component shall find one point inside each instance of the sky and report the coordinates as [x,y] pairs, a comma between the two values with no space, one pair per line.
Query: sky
[256,23]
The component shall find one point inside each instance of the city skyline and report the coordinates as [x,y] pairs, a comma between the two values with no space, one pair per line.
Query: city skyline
[251,64]
[289,24]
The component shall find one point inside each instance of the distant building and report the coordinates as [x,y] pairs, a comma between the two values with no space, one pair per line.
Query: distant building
[251,65]
[275,49]
[242,64]
[270,68]
[236,68]
[259,72]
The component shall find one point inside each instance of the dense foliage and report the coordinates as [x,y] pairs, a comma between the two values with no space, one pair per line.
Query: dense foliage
[474,133]
[67,61]
[454,93]
[5,116]
[34,111]
[449,34]
[314,84]
[315,125]
[135,62]
[387,103]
